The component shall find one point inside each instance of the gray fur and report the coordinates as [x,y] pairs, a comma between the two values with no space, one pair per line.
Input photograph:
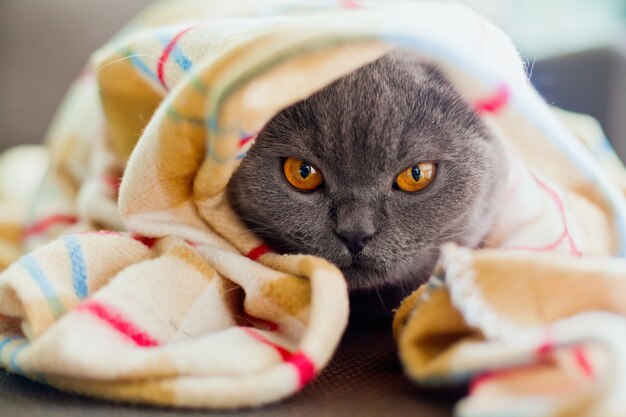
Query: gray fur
[361,131]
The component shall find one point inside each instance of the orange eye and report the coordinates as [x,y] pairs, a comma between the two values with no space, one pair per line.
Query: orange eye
[302,175]
[416,177]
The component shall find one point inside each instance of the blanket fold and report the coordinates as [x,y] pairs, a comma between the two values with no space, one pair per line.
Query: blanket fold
[132,279]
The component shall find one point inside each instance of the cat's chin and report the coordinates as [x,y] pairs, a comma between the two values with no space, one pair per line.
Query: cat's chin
[372,275]
[374,295]
[364,279]
[374,299]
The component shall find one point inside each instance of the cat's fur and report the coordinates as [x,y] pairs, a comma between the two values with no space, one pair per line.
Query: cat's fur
[361,131]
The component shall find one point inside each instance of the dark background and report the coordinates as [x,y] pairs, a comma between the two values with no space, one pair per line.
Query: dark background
[44,44]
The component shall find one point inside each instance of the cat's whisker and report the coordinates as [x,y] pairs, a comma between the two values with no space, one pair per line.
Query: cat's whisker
[126,58]
[254,230]
[381,298]
[456,234]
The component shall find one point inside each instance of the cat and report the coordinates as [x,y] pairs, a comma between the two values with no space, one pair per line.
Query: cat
[335,175]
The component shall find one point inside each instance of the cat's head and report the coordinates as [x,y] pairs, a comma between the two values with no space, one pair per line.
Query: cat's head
[373,173]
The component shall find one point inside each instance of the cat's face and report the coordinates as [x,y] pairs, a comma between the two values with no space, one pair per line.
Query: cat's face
[356,137]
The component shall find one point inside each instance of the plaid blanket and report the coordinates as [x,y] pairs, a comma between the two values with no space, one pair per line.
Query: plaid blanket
[128,276]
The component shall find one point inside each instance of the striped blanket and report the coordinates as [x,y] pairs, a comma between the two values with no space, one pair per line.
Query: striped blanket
[127,275]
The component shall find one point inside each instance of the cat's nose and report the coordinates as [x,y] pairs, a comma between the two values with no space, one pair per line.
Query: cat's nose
[355,241]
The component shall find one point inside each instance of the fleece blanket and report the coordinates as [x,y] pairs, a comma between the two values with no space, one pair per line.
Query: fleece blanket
[127,276]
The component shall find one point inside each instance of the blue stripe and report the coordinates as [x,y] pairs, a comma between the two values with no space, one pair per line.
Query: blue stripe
[13,366]
[181,59]
[139,64]
[177,53]
[6,341]
[31,265]
[79,269]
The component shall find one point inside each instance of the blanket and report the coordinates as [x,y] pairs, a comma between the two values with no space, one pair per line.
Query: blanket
[127,275]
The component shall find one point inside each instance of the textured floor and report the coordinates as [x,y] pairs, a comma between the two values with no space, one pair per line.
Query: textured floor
[364,379]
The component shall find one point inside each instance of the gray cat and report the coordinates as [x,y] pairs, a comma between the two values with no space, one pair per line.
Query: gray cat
[373,173]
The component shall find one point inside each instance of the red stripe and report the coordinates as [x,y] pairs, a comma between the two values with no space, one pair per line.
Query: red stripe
[565,235]
[544,349]
[43,225]
[147,241]
[546,248]
[113,183]
[284,353]
[579,353]
[116,320]
[561,207]
[245,140]
[495,102]
[582,361]
[303,365]
[101,232]
[479,380]
[166,55]
[259,251]
[350,4]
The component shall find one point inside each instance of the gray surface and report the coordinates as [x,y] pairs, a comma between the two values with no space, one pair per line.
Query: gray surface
[364,379]
[591,82]
[44,44]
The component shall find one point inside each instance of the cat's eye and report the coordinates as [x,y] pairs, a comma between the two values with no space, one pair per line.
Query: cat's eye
[302,175]
[417,177]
